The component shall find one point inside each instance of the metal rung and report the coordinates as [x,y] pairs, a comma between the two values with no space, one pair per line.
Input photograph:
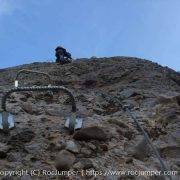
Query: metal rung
[6,121]
[77,125]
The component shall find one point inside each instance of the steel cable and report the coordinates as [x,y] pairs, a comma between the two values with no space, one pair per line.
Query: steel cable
[39,88]
[35,72]
[146,136]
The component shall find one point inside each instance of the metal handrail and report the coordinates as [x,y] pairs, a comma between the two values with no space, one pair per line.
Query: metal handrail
[30,71]
[39,88]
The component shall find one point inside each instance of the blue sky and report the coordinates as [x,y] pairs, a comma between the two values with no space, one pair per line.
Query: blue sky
[31,29]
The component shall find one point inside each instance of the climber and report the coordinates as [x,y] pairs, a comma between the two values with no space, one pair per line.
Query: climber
[62,56]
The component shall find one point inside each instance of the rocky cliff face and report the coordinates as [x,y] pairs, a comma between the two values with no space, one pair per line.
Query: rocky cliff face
[109,139]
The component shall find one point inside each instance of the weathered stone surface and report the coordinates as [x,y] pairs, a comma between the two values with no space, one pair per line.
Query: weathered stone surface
[64,160]
[129,160]
[170,151]
[23,136]
[3,150]
[26,177]
[72,147]
[30,108]
[178,99]
[98,110]
[78,166]
[104,147]
[86,151]
[127,93]
[89,133]
[92,146]
[90,83]
[55,147]
[85,163]
[14,156]
[118,152]
[141,150]
[118,122]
